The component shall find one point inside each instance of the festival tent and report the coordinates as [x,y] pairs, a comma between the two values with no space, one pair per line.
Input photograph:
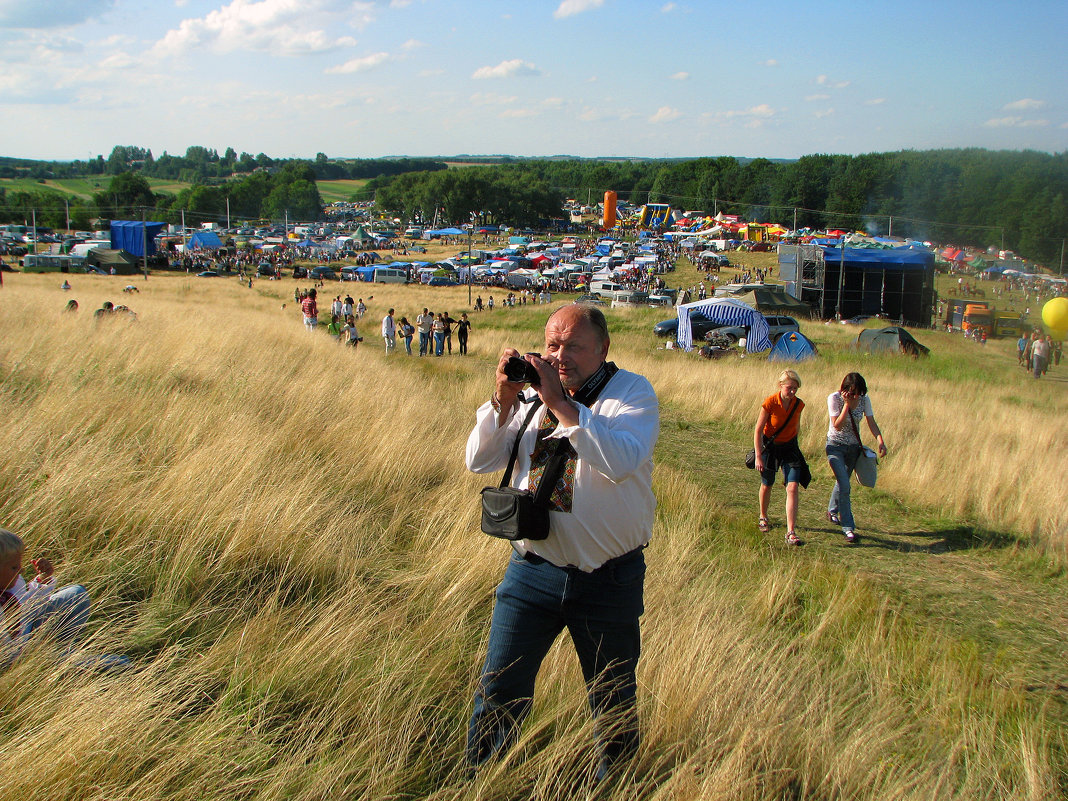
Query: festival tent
[892,339]
[361,235]
[792,347]
[442,232]
[726,311]
[208,240]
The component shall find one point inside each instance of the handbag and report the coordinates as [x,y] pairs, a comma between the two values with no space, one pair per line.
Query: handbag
[750,458]
[514,514]
[867,466]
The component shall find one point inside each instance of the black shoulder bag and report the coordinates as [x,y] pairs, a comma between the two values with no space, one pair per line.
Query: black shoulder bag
[514,514]
[750,458]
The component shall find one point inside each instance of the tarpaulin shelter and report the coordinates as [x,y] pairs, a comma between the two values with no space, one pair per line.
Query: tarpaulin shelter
[773,298]
[206,240]
[133,236]
[361,235]
[892,339]
[726,311]
[105,259]
[792,347]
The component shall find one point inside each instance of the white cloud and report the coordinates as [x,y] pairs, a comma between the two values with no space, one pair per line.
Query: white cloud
[412,44]
[1015,122]
[518,113]
[553,102]
[816,98]
[399,3]
[771,62]
[763,111]
[823,80]
[283,27]
[24,14]
[569,8]
[819,115]
[680,76]
[1025,104]
[507,69]
[665,114]
[875,101]
[667,8]
[361,64]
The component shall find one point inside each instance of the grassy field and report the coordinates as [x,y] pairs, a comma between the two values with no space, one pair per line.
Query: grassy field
[83,188]
[334,191]
[280,534]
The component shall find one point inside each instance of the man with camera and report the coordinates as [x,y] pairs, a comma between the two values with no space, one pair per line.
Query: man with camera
[587,575]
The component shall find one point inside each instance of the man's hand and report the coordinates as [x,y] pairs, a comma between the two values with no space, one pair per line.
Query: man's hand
[552,392]
[506,391]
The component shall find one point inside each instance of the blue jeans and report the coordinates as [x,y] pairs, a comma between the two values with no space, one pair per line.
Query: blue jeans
[843,459]
[424,343]
[63,615]
[534,602]
[439,343]
[408,345]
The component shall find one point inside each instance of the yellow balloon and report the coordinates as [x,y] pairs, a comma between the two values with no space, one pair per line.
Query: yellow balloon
[1055,313]
[1059,334]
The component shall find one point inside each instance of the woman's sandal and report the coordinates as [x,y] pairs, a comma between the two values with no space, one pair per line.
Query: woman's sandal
[834,518]
[763,524]
[793,539]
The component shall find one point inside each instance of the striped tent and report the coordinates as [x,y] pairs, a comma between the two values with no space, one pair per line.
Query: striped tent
[726,311]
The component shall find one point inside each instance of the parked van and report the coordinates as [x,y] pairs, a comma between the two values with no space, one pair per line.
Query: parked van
[391,275]
[605,288]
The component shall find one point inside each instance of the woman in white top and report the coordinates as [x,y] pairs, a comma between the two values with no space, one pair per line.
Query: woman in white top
[846,408]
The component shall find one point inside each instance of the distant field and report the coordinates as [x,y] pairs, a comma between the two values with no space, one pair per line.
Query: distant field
[333,191]
[83,188]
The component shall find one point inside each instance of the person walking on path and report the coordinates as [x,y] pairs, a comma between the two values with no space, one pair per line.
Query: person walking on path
[389,332]
[775,443]
[846,408]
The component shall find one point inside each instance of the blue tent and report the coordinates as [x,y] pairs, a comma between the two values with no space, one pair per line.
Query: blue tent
[208,240]
[133,235]
[792,347]
[366,273]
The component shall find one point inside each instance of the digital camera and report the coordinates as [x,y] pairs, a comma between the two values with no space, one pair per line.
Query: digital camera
[520,370]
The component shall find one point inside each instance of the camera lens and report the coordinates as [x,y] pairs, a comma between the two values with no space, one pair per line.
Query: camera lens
[521,371]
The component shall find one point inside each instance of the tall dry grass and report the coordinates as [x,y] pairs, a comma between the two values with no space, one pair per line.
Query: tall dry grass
[280,534]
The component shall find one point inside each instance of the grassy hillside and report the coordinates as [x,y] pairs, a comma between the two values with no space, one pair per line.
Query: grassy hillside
[333,191]
[280,534]
[83,188]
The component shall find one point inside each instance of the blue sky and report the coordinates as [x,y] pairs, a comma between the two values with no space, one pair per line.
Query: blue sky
[671,78]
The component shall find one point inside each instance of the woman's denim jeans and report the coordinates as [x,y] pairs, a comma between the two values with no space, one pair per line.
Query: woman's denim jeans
[843,459]
[537,600]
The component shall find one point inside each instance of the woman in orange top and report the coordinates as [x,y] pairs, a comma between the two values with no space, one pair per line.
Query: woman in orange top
[779,416]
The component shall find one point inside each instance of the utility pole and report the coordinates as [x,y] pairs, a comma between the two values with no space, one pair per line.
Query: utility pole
[144,241]
[1061,271]
[890,227]
[66,202]
[228,213]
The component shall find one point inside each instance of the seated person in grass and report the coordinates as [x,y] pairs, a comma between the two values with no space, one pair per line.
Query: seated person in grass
[34,606]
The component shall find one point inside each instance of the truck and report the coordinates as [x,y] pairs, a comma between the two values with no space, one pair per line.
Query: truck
[964,315]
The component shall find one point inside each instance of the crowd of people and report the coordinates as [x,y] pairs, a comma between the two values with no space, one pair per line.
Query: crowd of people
[1037,353]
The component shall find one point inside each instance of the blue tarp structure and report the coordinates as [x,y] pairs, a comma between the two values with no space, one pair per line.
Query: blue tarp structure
[792,347]
[444,232]
[368,273]
[132,235]
[208,240]
[725,311]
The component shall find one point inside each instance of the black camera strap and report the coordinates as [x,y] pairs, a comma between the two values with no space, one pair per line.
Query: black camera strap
[535,402]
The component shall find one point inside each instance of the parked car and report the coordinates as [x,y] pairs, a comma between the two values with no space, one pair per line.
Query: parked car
[442,280]
[265,269]
[701,326]
[322,273]
[777,326]
[208,274]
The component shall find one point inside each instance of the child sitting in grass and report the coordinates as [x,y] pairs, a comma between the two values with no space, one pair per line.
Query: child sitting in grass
[32,606]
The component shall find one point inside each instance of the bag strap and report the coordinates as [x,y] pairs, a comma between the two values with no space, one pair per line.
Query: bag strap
[506,480]
[789,414]
[855,429]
